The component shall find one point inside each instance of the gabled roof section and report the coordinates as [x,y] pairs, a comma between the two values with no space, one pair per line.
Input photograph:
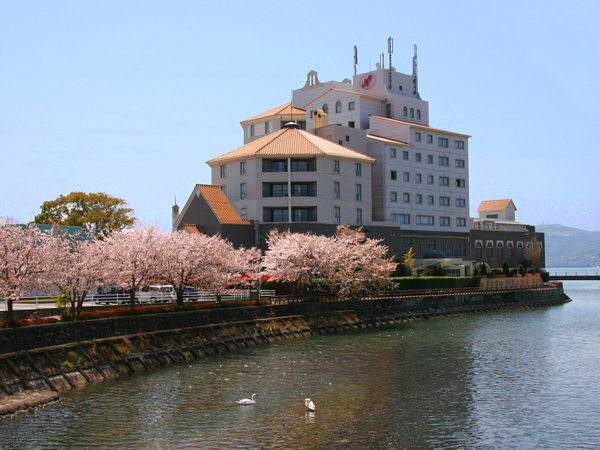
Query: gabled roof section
[419,126]
[193,229]
[343,91]
[220,205]
[496,205]
[283,110]
[291,142]
[388,140]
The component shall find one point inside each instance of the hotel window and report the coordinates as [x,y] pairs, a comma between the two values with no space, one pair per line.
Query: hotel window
[224,189]
[405,111]
[406,197]
[304,214]
[338,107]
[393,175]
[325,108]
[442,142]
[500,246]
[460,182]
[351,124]
[459,144]
[429,179]
[444,201]
[461,202]
[392,152]
[358,169]
[251,130]
[460,163]
[401,218]
[412,113]
[336,189]
[419,199]
[418,177]
[243,213]
[430,200]
[359,192]
[337,214]
[430,139]
[478,250]
[266,127]
[243,191]
[243,168]
[461,222]
[417,157]
[347,138]
[444,181]
[425,220]
[444,161]
[510,248]
[406,176]
[222,171]
[519,250]
[351,106]
[445,221]
[336,167]
[359,216]
[418,136]
[405,155]
[341,142]
[429,159]
[394,197]
[490,249]
[419,114]
[388,111]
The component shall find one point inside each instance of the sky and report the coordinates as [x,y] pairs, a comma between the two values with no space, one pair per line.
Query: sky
[132,98]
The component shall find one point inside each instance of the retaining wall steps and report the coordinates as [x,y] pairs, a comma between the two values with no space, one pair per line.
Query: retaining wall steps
[35,376]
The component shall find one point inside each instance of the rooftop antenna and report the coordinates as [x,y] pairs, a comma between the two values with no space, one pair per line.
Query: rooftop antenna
[390,51]
[382,60]
[355,59]
[415,75]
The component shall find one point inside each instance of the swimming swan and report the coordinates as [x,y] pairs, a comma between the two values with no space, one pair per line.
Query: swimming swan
[247,401]
[309,404]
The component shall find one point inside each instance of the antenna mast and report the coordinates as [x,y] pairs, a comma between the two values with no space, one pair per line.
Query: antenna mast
[415,75]
[355,59]
[382,60]
[390,51]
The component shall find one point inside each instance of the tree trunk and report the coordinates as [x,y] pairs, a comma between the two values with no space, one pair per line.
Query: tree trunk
[9,313]
[179,291]
[132,299]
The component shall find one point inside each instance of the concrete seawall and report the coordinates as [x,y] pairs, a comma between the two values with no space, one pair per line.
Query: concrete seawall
[62,356]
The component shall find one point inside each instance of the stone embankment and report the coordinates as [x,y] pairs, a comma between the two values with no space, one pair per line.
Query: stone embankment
[50,358]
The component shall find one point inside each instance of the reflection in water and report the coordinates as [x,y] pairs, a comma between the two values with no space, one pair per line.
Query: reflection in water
[520,379]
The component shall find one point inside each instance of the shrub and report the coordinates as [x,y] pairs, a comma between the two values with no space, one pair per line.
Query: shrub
[434,271]
[506,269]
[521,269]
[483,270]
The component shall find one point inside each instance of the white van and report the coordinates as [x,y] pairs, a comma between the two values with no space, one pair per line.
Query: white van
[156,293]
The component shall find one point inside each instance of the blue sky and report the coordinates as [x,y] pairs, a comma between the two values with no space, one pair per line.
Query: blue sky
[132,97]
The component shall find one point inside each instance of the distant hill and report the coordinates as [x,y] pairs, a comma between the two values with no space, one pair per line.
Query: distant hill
[570,247]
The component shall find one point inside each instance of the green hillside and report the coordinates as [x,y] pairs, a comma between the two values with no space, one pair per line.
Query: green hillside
[570,247]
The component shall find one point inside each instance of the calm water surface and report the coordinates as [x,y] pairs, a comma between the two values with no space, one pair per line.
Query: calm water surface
[522,379]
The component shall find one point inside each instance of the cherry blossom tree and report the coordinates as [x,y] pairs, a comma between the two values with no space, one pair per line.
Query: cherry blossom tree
[23,262]
[77,268]
[299,257]
[130,258]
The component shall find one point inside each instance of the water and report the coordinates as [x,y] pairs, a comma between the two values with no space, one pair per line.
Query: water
[522,379]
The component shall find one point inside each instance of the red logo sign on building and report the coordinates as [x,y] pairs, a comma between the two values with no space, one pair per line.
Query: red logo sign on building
[367,81]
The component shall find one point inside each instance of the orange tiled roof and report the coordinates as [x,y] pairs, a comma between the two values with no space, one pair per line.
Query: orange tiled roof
[220,205]
[291,142]
[388,140]
[283,110]
[418,125]
[193,229]
[495,205]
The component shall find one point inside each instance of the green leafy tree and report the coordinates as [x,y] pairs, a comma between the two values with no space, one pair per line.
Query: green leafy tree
[506,269]
[408,261]
[97,212]
[434,271]
[521,269]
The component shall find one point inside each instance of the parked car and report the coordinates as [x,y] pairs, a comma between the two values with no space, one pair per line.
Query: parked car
[157,293]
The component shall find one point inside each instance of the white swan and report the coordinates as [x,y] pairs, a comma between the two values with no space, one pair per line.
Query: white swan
[247,401]
[309,404]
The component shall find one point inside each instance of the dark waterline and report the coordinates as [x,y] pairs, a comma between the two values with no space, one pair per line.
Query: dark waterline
[525,379]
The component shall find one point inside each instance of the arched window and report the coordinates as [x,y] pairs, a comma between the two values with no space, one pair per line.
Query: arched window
[519,250]
[509,246]
[490,250]
[325,108]
[405,111]
[500,246]
[478,250]
[338,107]
[419,114]
[412,113]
